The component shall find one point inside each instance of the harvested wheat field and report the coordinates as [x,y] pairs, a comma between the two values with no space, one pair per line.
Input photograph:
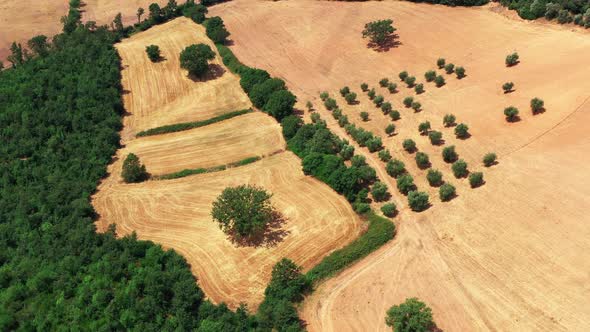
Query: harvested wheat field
[508,256]
[176,214]
[248,135]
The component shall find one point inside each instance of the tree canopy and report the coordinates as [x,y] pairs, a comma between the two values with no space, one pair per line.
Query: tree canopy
[379,32]
[195,58]
[410,316]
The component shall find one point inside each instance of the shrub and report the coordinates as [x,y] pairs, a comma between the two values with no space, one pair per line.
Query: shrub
[511,113]
[386,107]
[390,129]
[324,95]
[392,87]
[384,82]
[371,94]
[459,168]
[378,101]
[403,75]
[419,88]
[344,91]
[418,201]
[416,106]
[449,154]
[408,101]
[434,177]
[507,87]
[449,68]
[476,179]
[395,168]
[394,115]
[489,159]
[537,105]
[424,127]
[405,183]
[430,75]
[365,116]
[409,145]
[379,192]
[512,59]
[243,211]
[440,63]
[462,131]
[449,120]
[389,209]
[347,152]
[440,81]
[374,144]
[215,29]
[422,160]
[410,81]
[195,59]
[460,71]
[153,52]
[280,104]
[446,192]
[364,87]
[133,170]
[330,104]
[350,98]
[384,155]
[435,137]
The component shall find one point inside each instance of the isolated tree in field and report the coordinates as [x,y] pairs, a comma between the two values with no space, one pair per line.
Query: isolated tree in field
[511,59]
[395,168]
[424,127]
[384,155]
[371,94]
[537,105]
[280,104]
[384,82]
[430,75]
[364,116]
[261,92]
[476,179]
[410,316]
[392,87]
[449,154]
[489,159]
[379,32]
[364,87]
[386,107]
[416,106]
[324,95]
[408,101]
[459,168]
[350,98]
[419,88]
[403,75]
[378,101]
[446,192]
[409,145]
[140,12]
[133,170]
[344,91]
[462,131]
[195,59]
[440,63]
[439,81]
[243,211]
[422,160]
[390,129]
[389,209]
[449,120]
[460,71]
[405,183]
[410,81]
[507,87]
[379,192]
[435,137]
[394,115]
[215,29]
[511,113]
[418,201]
[153,52]
[449,68]
[434,177]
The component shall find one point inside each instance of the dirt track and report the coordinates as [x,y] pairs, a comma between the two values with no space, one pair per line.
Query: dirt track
[509,256]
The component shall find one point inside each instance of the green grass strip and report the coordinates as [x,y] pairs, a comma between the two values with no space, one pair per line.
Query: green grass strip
[193,171]
[190,125]
[380,231]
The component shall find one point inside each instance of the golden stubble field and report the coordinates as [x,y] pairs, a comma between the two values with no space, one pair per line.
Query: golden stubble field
[508,256]
[176,213]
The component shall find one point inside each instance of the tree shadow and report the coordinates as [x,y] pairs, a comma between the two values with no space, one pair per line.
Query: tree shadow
[464,137]
[509,91]
[215,71]
[514,119]
[229,42]
[435,328]
[478,185]
[390,42]
[425,166]
[272,235]
[299,112]
[440,142]
[539,111]
[512,64]
[160,59]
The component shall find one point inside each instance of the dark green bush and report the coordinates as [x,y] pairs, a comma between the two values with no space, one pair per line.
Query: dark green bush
[435,137]
[379,192]
[537,105]
[489,159]
[449,154]
[507,87]
[153,52]
[439,80]
[476,179]
[434,177]
[440,63]
[424,127]
[394,115]
[511,113]
[390,129]
[512,59]
[405,183]
[449,68]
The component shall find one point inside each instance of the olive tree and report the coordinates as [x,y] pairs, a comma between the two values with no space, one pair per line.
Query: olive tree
[379,192]
[386,107]
[384,82]
[378,101]
[512,59]
[460,168]
[344,91]
[511,113]
[439,81]
[507,87]
[435,137]
[350,98]
[389,209]
[418,201]
[384,155]
[394,115]
[416,106]
[440,63]
[537,105]
[405,183]
[462,131]
[392,87]
[460,71]
[408,101]
[476,179]
[446,192]
[390,129]
[430,75]
[422,160]
[364,87]
[449,68]
[424,127]
[449,120]
[409,145]
[403,75]
[395,168]
[434,177]
[364,116]
[410,81]
[419,88]
[449,154]
[489,159]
